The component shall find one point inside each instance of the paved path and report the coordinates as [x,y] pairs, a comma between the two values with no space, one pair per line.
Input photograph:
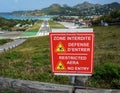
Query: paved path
[11,45]
[10,34]
[44,29]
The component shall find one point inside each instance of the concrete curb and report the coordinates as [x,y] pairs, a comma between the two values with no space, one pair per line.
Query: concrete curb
[33,86]
[25,86]
[97,91]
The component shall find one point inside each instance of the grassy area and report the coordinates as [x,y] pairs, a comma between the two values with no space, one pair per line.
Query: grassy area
[35,27]
[107,42]
[32,31]
[56,25]
[31,60]
[29,33]
[107,57]
[1,38]
[3,41]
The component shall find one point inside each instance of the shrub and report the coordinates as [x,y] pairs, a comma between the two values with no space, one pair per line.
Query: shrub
[107,75]
[116,83]
[3,41]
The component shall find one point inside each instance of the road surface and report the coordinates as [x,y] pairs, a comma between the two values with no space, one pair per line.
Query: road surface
[10,34]
[44,29]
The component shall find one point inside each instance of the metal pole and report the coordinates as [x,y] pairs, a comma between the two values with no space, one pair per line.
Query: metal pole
[72,79]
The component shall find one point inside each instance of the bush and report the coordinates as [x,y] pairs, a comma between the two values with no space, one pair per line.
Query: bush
[106,75]
[3,41]
[116,83]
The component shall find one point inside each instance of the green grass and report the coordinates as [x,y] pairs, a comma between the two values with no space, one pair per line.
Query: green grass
[107,54]
[29,33]
[32,31]
[1,38]
[31,60]
[56,25]
[3,41]
[107,42]
[35,27]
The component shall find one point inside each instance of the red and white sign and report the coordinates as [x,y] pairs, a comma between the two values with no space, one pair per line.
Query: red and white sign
[72,53]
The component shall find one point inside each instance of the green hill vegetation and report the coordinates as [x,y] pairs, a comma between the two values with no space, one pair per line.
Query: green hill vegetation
[81,9]
[112,18]
[6,24]
[31,60]
[53,9]
[9,24]
[3,41]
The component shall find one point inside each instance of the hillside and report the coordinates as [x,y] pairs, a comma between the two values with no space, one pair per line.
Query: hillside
[10,25]
[112,19]
[31,60]
[53,9]
[87,8]
[6,24]
[83,9]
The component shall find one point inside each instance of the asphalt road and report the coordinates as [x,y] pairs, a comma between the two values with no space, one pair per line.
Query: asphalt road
[10,35]
[44,29]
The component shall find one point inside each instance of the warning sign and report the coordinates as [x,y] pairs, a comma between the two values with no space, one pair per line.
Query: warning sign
[72,53]
[60,48]
[60,66]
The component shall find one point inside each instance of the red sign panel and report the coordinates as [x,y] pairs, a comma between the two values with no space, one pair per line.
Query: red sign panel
[72,53]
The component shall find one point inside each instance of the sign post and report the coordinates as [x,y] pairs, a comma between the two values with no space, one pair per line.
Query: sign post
[72,52]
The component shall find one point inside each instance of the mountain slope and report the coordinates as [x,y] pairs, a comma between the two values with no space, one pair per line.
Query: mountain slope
[84,5]
[87,8]
[83,9]
[53,9]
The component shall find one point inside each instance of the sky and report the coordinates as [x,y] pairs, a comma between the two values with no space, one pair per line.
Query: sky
[17,5]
